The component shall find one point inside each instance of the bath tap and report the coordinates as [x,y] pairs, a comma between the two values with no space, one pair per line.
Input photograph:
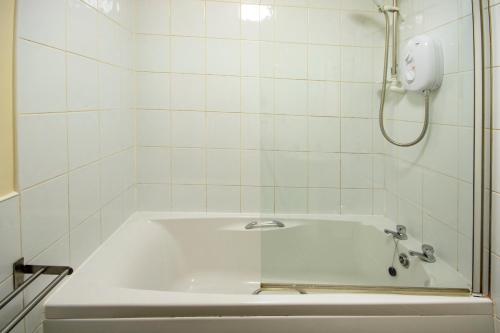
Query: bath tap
[400,232]
[426,255]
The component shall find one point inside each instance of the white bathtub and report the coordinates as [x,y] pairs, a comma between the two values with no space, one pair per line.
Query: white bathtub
[189,273]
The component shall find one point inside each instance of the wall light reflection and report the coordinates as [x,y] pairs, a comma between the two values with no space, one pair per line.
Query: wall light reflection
[255,13]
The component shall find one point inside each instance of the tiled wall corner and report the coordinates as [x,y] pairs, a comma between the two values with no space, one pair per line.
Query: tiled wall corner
[75,96]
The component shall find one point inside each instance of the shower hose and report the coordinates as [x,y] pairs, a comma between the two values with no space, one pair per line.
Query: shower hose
[384,90]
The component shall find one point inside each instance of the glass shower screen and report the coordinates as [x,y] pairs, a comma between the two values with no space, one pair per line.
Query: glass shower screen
[342,207]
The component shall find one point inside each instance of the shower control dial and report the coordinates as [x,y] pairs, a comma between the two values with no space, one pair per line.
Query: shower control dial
[410,76]
[408,58]
[422,65]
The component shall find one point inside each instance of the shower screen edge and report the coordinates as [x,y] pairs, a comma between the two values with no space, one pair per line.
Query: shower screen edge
[482,148]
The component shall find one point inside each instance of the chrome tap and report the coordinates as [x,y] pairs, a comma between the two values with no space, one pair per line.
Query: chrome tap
[426,255]
[400,232]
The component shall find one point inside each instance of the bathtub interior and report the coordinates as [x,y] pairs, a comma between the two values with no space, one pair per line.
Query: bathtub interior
[219,256]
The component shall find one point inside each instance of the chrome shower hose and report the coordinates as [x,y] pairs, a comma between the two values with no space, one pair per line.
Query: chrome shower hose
[384,90]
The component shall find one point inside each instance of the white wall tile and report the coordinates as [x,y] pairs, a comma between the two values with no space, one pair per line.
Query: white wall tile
[291,133]
[324,134]
[223,198]
[257,131]
[362,29]
[223,19]
[357,171]
[42,22]
[44,216]
[153,16]
[290,60]
[250,58]
[324,98]
[441,198]
[153,165]
[116,131]
[223,130]
[42,148]
[324,26]
[153,90]
[152,53]
[250,19]
[188,129]
[357,64]
[113,177]
[84,193]
[188,92]
[324,170]
[290,24]
[40,79]
[223,56]
[110,78]
[324,200]
[10,235]
[356,135]
[112,217]
[352,104]
[83,83]
[82,28]
[187,198]
[84,239]
[257,199]
[188,17]
[223,167]
[290,97]
[83,138]
[188,55]
[324,62]
[154,197]
[291,200]
[223,93]
[108,43]
[356,201]
[188,166]
[291,169]
[257,168]
[153,128]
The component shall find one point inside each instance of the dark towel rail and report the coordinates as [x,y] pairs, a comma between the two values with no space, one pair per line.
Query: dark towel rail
[20,270]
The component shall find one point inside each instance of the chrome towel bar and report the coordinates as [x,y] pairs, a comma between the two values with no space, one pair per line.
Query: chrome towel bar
[264,224]
[20,270]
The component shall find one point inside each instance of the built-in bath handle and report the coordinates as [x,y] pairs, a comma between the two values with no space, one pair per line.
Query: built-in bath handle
[264,224]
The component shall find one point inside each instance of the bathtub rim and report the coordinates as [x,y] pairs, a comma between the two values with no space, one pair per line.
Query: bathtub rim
[112,302]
